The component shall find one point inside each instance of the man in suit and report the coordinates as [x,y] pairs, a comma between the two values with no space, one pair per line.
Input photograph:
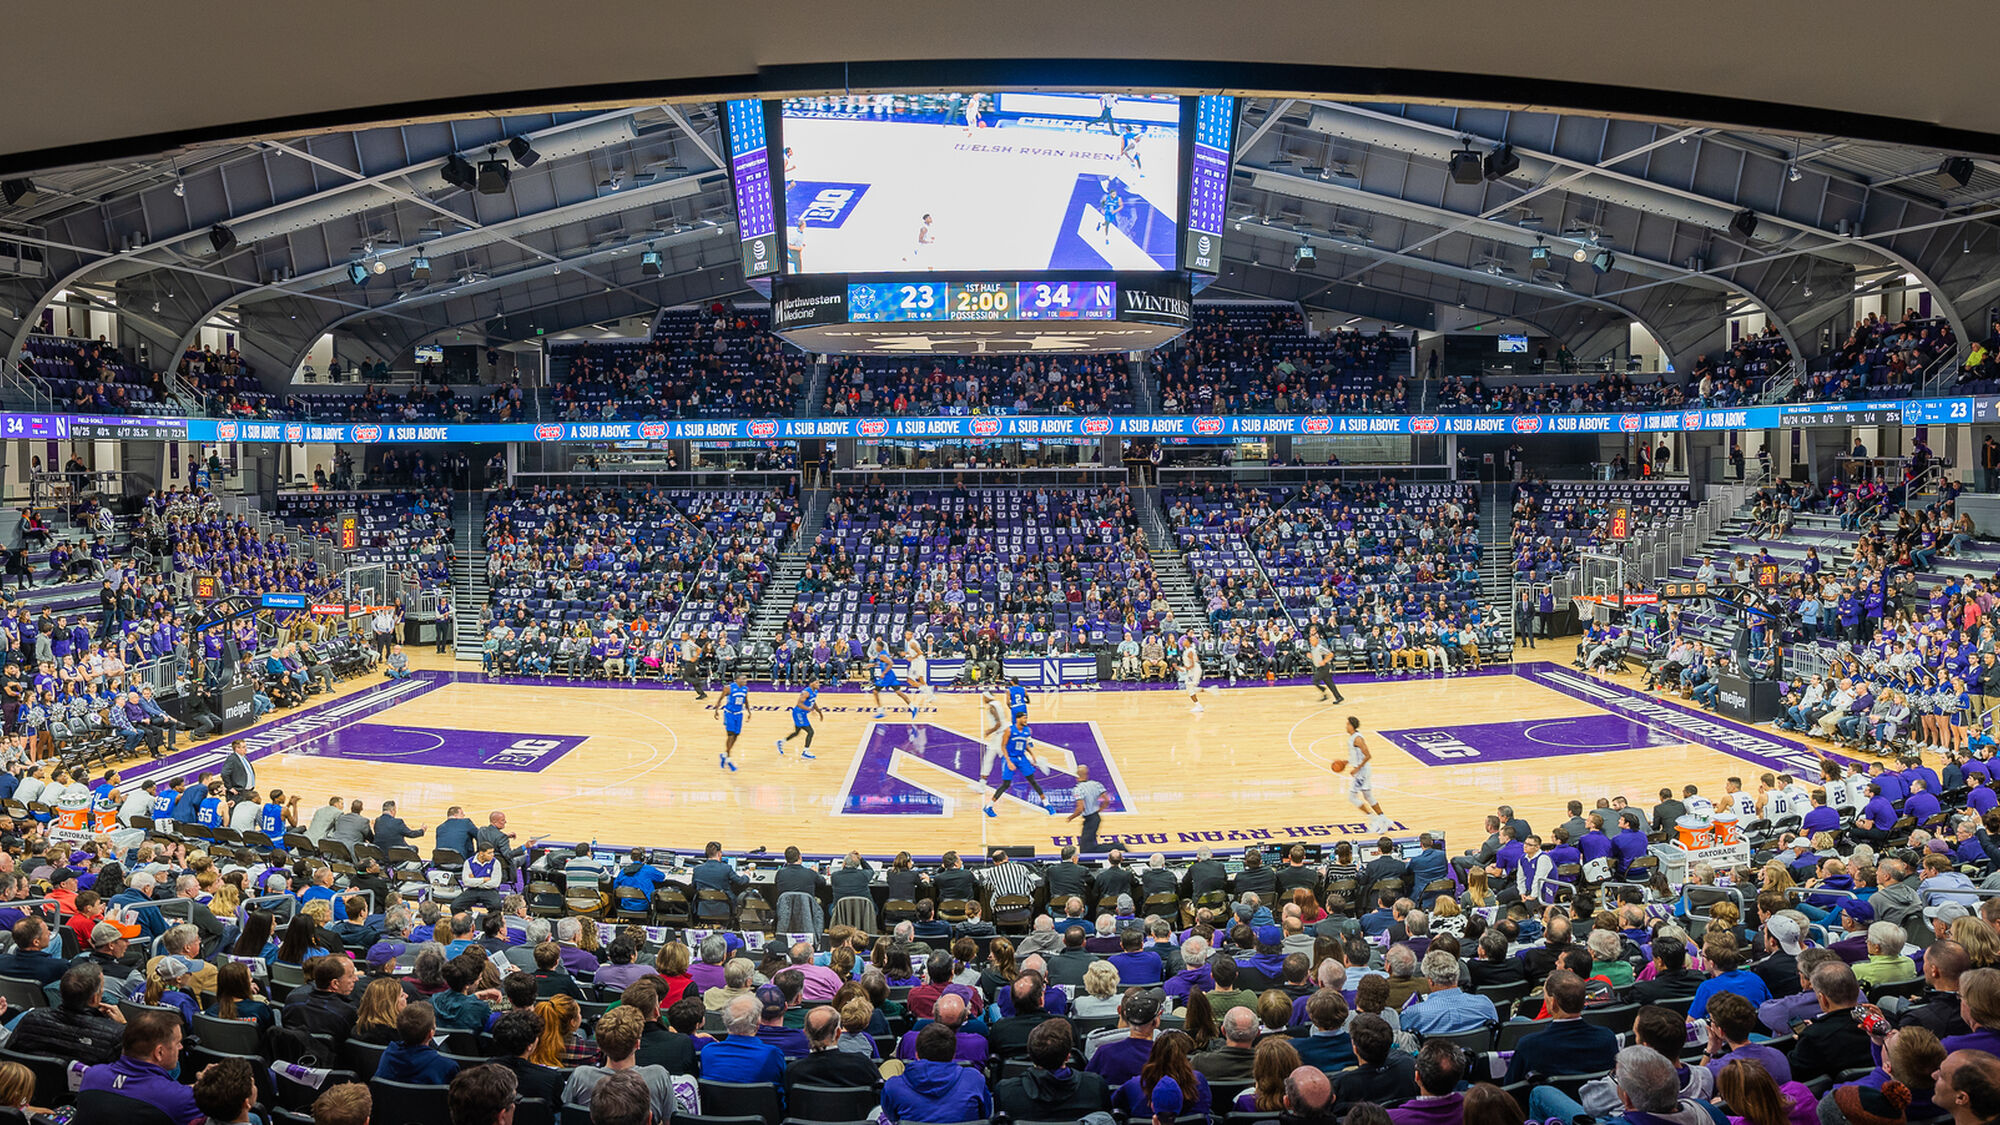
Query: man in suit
[955,882]
[1255,878]
[1008,1038]
[350,827]
[1569,1043]
[456,832]
[1115,879]
[1156,879]
[238,775]
[391,831]
[713,873]
[1294,873]
[1386,865]
[1066,877]
[496,832]
[1575,824]
[1521,829]
[1068,967]
[1669,810]
[796,878]
[1426,867]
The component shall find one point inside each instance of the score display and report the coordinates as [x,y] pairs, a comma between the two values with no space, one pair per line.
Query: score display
[750,173]
[888,302]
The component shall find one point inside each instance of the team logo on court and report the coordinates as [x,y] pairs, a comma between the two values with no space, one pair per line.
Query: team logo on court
[548,431]
[763,429]
[225,431]
[1208,425]
[653,429]
[1319,424]
[873,427]
[1629,423]
[1097,425]
[295,434]
[985,427]
[1527,424]
[1427,424]
[822,203]
[910,769]
[1691,420]
[367,433]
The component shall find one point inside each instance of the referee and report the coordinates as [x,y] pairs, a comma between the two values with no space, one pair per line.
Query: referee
[1091,801]
[1322,661]
[690,656]
[1007,875]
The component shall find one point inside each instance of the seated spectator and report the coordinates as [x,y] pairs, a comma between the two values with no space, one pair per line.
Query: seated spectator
[411,1057]
[1725,960]
[1731,1021]
[1052,1090]
[30,958]
[970,1047]
[375,1016]
[742,1057]
[618,1033]
[1569,1043]
[225,1091]
[1234,1061]
[1885,961]
[326,1008]
[1380,1074]
[514,1035]
[1327,1045]
[1121,1059]
[1439,1068]
[826,1064]
[141,1073]
[935,1088]
[81,1026]
[1447,1009]
[1671,977]
[622,1099]
[483,1095]
[350,1103]
[1833,1041]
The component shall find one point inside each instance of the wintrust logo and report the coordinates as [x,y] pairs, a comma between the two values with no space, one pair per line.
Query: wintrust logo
[367,433]
[225,431]
[1427,424]
[763,429]
[873,427]
[1097,425]
[1154,304]
[1527,424]
[548,431]
[1208,425]
[1319,424]
[985,427]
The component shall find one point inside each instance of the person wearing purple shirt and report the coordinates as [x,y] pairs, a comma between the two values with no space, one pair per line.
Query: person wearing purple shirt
[1631,844]
[1136,965]
[971,1048]
[1877,817]
[1820,818]
[1507,856]
[152,1043]
[1890,781]
[1920,803]
[1595,844]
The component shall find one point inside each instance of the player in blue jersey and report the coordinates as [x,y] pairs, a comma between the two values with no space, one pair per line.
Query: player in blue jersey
[1128,147]
[803,710]
[1109,207]
[214,810]
[1017,700]
[730,707]
[277,816]
[1019,763]
[882,672]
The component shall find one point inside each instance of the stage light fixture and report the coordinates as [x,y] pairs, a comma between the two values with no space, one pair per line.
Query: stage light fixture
[1501,162]
[1744,222]
[1304,260]
[357,273]
[20,193]
[494,174]
[458,172]
[420,268]
[1956,171]
[1468,166]
[524,153]
[649,263]
[1603,262]
[222,238]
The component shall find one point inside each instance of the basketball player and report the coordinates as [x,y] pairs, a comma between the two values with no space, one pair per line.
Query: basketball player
[926,235]
[992,733]
[730,708]
[1128,147]
[1020,762]
[1360,777]
[791,170]
[884,677]
[1108,209]
[1191,674]
[972,104]
[919,664]
[1322,659]
[803,709]
[795,244]
[1017,700]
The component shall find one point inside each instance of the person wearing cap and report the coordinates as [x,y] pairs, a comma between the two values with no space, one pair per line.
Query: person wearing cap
[935,1088]
[109,941]
[167,980]
[1856,915]
[63,888]
[1122,1059]
[1784,938]
[743,1056]
[771,1023]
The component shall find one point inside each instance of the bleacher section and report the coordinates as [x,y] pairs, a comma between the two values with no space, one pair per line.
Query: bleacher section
[1554,521]
[1879,359]
[92,377]
[1070,385]
[1245,358]
[408,532]
[699,364]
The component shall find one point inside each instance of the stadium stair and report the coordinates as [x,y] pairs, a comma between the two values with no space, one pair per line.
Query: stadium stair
[781,593]
[468,573]
[1496,568]
[1170,567]
[1145,395]
[815,396]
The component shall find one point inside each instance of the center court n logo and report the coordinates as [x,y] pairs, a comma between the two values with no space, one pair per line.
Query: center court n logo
[909,769]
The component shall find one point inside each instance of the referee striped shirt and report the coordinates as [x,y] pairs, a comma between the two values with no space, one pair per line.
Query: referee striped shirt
[1009,878]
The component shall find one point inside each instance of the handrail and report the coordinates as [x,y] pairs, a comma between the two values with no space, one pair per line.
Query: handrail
[1942,367]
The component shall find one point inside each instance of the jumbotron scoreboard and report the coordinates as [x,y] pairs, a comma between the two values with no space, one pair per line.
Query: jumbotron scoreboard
[975,315]
[897,302]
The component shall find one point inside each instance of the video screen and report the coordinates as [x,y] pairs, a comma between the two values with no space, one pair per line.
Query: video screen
[1514,344]
[895,183]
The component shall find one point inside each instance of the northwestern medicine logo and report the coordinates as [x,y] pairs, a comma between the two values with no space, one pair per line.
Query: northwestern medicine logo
[873,427]
[367,433]
[822,203]
[910,769]
[985,427]
[548,431]
[763,429]
[1097,425]
[1424,425]
[1208,425]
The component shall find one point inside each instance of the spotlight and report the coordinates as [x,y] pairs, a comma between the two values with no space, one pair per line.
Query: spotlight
[1956,171]
[1539,254]
[357,273]
[20,193]
[1580,254]
[1467,166]
[180,187]
[420,268]
[458,172]
[493,174]
[1304,260]
[1501,162]
[1744,222]
[222,238]
[649,263]
[524,154]
[379,267]
[1603,262]
[1793,174]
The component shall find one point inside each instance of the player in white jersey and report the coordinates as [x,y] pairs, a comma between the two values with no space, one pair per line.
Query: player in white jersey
[1191,674]
[1361,777]
[1744,804]
[926,236]
[973,102]
[992,734]
[920,664]
[1797,796]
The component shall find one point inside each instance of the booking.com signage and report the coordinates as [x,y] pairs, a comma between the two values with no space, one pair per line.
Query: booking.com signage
[1925,412]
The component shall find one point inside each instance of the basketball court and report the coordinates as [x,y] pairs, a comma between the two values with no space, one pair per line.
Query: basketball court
[627,765]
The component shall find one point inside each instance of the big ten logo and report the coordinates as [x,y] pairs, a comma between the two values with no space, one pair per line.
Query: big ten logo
[1440,744]
[526,752]
[823,204]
